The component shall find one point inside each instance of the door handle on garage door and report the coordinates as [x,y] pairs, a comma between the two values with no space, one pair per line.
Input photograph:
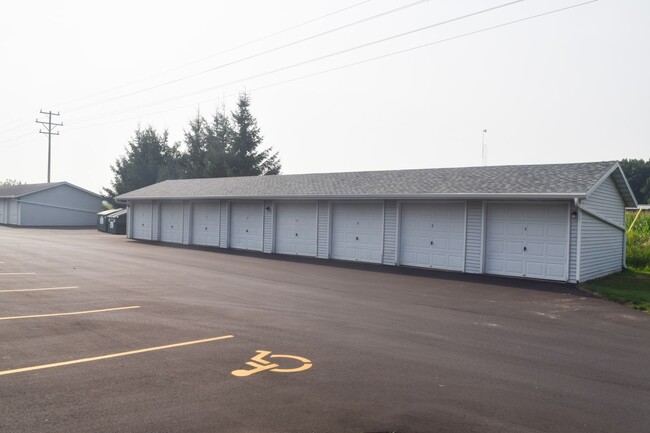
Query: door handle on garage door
[357,237]
[524,248]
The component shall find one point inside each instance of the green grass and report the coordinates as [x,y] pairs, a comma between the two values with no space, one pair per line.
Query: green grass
[630,287]
[638,241]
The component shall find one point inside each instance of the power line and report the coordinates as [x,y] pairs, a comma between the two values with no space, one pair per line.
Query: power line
[348,65]
[245,44]
[15,138]
[261,53]
[19,126]
[336,53]
[227,50]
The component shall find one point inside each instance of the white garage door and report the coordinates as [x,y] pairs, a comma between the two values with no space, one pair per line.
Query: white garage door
[527,240]
[3,212]
[357,231]
[171,222]
[296,229]
[247,226]
[142,220]
[206,220]
[433,235]
[13,212]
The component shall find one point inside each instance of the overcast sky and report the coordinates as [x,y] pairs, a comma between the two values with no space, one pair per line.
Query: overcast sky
[564,87]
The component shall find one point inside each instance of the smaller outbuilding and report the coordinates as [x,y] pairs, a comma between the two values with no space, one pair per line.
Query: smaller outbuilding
[56,204]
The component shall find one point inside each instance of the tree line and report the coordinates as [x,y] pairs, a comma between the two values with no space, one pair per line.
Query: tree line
[637,172]
[222,146]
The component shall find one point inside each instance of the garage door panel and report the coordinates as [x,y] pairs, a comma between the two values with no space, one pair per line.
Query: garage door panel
[535,249]
[515,229]
[514,267]
[206,224]
[555,270]
[535,269]
[171,222]
[536,240]
[297,229]
[515,247]
[431,234]
[357,231]
[557,231]
[247,225]
[456,262]
[536,230]
[142,220]
[556,250]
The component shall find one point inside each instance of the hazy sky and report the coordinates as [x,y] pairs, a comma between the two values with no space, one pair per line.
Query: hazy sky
[565,87]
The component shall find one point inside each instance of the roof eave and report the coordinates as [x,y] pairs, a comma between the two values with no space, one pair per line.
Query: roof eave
[454,196]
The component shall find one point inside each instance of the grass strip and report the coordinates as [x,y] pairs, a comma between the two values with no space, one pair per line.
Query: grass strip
[630,287]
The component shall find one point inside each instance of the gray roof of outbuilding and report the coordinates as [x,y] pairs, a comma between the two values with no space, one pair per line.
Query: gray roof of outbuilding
[12,191]
[516,181]
[15,191]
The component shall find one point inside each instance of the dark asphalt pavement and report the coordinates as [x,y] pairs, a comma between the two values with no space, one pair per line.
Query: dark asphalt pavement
[392,350]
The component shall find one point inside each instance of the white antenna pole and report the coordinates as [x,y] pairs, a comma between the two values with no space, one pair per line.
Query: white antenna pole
[484,149]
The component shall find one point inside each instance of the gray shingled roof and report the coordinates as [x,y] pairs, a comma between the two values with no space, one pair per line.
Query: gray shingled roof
[16,191]
[551,180]
[12,191]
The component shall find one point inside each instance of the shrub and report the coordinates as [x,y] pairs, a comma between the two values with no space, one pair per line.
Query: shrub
[638,241]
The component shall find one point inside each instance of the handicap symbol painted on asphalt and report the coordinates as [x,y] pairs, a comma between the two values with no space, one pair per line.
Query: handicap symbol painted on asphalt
[260,364]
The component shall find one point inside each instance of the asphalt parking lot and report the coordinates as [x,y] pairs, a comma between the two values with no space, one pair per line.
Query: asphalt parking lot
[99,333]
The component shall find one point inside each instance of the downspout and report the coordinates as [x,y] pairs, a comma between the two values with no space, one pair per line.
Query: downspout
[576,202]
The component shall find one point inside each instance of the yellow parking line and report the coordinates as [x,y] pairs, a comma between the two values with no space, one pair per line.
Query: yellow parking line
[70,314]
[38,290]
[17,273]
[113,355]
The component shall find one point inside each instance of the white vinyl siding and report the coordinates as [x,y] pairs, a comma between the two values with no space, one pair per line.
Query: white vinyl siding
[3,211]
[357,231]
[142,220]
[607,202]
[13,212]
[225,223]
[528,240]
[206,223]
[268,227]
[602,245]
[187,222]
[247,225]
[474,237]
[433,235]
[296,231]
[323,229]
[390,232]
[155,221]
[171,222]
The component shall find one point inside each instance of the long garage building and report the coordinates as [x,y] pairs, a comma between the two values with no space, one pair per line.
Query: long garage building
[562,222]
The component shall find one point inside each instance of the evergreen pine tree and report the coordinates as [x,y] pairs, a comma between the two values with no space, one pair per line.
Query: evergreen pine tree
[149,159]
[219,138]
[194,158]
[244,157]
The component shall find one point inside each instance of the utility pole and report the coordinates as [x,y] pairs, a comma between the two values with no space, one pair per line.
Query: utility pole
[484,149]
[49,127]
